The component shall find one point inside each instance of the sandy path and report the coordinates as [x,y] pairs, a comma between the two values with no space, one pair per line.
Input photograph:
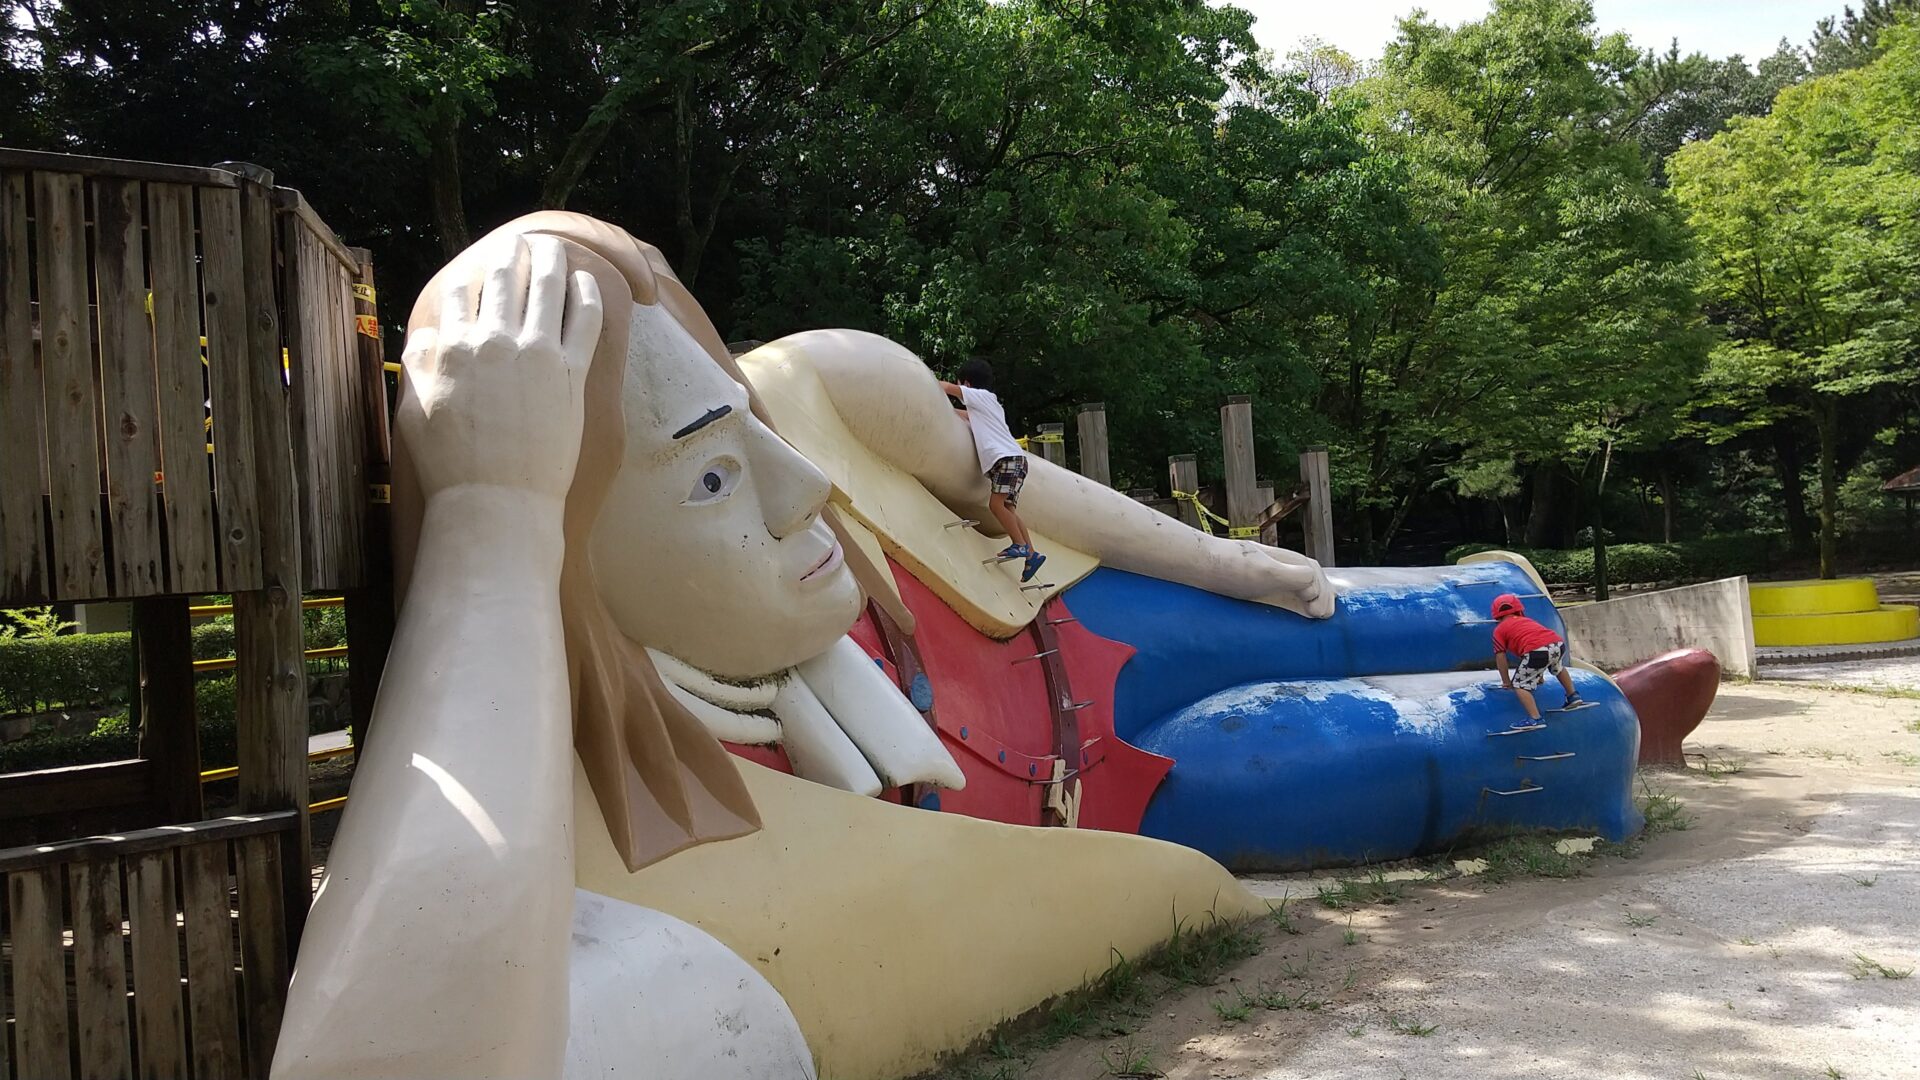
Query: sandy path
[1728,950]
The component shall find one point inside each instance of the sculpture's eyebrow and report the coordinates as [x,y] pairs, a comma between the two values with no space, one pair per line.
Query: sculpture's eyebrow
[710,417]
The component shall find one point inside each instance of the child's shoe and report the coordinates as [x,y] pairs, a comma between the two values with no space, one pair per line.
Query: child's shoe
[1013,551]
[1034,559]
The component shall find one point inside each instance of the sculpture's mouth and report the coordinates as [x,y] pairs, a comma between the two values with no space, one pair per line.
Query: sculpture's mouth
[828,563]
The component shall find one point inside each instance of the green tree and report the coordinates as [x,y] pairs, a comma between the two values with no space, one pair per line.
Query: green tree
[1565,318]
[1812,216]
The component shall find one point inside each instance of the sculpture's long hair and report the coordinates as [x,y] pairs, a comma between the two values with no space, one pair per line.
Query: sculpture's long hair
[662,781]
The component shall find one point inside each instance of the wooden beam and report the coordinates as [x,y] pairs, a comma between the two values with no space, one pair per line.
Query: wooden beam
[270,679]
[370,608]
[169,732]
[142,840]
[36,922]
[23,448]
[1183,475]
[1093,443]
[1319,514]
[1052,443]
[1236,444]
[129,405]
[66,353]
[83,165]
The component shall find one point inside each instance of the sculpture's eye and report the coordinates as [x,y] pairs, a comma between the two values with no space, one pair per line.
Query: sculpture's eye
[715,482]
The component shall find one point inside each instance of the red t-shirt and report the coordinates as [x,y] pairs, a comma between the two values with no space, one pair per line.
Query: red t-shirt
[1520,635]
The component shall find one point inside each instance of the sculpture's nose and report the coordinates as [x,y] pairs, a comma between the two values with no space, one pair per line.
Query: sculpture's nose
[792,489]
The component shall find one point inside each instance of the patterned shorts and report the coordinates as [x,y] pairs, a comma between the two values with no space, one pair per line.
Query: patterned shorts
[1536,665]
[1006,476]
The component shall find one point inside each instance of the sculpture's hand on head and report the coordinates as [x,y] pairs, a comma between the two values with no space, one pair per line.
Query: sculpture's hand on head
[497,385]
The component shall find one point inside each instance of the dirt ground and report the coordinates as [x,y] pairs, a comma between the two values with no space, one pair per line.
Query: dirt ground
[1770,939]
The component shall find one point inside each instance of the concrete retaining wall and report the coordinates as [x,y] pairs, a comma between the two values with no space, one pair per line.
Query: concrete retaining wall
[1714,616]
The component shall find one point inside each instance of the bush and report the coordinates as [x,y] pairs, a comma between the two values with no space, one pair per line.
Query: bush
[113,737]
[1639,564]
[73,670]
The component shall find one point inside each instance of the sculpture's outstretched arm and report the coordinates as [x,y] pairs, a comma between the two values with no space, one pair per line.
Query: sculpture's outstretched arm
[890,400]
[438,944]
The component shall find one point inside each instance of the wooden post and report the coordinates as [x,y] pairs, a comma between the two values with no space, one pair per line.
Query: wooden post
[1263,498]
[169,733]
[1183,475]
[270,676]
[1318,519]
[370,607]
[1053,443]
[1093,443]
[1236,445]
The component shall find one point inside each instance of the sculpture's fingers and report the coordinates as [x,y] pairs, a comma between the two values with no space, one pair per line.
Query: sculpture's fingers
[585,311]
[503,297]
[546,289]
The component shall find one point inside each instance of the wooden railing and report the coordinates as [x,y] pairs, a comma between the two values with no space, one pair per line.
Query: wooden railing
[158,953]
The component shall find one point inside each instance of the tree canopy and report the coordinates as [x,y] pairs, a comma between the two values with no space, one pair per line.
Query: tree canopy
[1509,260]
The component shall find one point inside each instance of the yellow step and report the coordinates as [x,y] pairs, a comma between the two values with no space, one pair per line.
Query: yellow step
[1836,597]
[1889,622]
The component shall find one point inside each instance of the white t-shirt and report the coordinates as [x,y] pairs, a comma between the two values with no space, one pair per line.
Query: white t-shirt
[991,438]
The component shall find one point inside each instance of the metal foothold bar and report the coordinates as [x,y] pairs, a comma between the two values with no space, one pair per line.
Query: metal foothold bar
[1030,588]
[1516,791]
[1061,622]
[1562,756]
[1076,706]
[957,524]
[1036,656]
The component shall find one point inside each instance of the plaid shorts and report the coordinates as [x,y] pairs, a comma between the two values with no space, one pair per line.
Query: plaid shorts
[1006,476]
[1536,665]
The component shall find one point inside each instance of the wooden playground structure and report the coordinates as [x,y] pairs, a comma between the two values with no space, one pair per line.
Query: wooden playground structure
[192,402]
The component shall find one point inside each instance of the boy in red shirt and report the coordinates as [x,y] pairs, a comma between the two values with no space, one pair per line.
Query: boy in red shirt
[1538,649]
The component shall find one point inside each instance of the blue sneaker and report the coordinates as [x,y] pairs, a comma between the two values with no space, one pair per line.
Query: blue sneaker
[1013,551]
[1034,559]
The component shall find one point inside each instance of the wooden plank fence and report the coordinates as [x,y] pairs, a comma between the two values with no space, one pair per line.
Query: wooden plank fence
[160,953]
[139,316]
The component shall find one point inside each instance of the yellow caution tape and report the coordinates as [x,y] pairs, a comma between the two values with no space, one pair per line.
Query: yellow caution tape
[1046,437]
[363,292]
[1208,517]
[393,367]
[380,493]
[368,325]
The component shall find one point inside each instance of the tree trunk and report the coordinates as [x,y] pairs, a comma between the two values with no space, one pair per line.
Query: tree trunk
[1827,419]
[1666,504]
[1600,527]
[1793,493]
[443,182]
[1540,517]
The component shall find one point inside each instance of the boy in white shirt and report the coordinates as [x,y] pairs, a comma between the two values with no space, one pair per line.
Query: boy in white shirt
[1001,458]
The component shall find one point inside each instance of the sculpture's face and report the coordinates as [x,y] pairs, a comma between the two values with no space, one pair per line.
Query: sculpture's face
[710,546]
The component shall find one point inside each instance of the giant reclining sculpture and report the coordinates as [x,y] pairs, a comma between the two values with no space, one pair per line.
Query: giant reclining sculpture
[614,572]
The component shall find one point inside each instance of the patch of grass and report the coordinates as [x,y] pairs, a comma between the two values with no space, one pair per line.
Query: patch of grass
[1295,971]
[1348,937]
[1529,856]
[1282,916]
[1835,1074]
[1866,967]
[1903,757]
[1721,768]
[980,1071]
[1130,1059]
[1198,957]
[1748,941]
[1352,974]
[1233,1012]
[1356,1031]
[1635,919]
[1825,753]
[1913,726]
[1870,691]
[1865,882]
[1664,813]
[1411,1027]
